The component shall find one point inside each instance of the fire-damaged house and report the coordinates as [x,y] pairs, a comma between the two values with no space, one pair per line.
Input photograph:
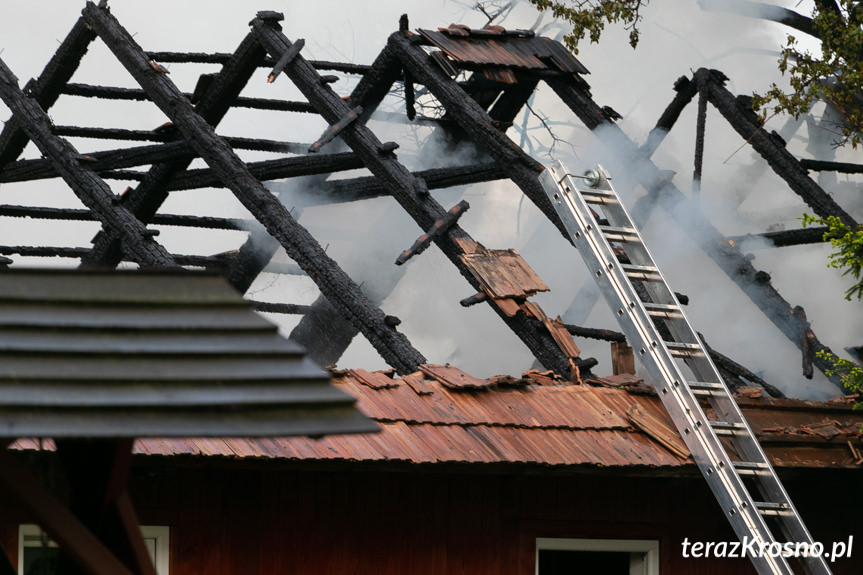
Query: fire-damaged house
[556,469]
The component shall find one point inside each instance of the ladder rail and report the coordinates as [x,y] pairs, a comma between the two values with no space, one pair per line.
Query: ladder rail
[744,513]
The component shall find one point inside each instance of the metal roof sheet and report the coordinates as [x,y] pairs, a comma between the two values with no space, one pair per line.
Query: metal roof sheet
[518,51]
[142,354]
[509,421]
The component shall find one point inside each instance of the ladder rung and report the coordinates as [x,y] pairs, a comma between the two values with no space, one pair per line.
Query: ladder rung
[598,197]
[751,468]
[706,388]
[678,349]
[661,310]
[614,234]
[727,428]
[772,508]
[641,273]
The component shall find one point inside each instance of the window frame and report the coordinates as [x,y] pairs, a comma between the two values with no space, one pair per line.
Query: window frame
[649,547]
[160,535]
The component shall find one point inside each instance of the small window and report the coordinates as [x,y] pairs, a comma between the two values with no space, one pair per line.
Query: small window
[37,554]
[589,556]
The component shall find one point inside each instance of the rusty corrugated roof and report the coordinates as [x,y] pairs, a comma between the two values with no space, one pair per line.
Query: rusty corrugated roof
[519,49]
[531,420]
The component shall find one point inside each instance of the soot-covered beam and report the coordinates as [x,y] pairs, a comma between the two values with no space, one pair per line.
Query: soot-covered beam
[424,209]
[48,87]
[787,237]
[221,58]
[137,95]
[150,194]
[393,346]
[786,166]
[93,192]
[71,214]
[685,90]
[726,254]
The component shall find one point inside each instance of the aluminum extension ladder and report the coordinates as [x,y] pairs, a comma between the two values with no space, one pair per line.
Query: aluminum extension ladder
[752,512]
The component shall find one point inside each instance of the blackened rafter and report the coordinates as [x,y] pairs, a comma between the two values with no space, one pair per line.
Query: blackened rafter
[297,241]
[727,256]
[48,87]
[93,192]
[149,195]
[424,209]
[786,166]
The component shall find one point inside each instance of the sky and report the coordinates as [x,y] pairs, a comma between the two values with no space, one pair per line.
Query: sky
[677,38]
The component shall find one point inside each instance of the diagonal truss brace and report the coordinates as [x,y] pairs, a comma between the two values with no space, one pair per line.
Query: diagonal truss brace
[297,241]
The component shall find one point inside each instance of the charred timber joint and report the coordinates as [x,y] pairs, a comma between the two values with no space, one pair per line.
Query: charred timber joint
[388,148]
[284,308]
[441,226]
[593,333]
[337,128]
[420,187]
[476,298]
[286,59]
[329,79]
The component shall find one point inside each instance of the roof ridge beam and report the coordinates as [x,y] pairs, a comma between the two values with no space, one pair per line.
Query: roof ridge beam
[393,346]
[92,190]
[48,87]
[425,210]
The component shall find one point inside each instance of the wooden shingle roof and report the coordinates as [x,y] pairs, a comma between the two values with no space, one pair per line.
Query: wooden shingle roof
[153,354]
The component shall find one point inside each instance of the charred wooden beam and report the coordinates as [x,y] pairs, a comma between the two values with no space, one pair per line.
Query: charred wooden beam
[87,185]
[439,227]
[787,237]
[520,167]
[270,170]
[238,143]
[71,214]
[805,341]
[376,83]
[726,255]
[701,124]
[146,199]
[594,333]
[138,95]
[400,183]
[222,58]
[335,129]
[283,308]
[286,59]
[43,251]
[410,96]
[824,166]
[685,91]
[28,170]
[299,244]
[48,87]
[726,363]
[783,163]
[476,298]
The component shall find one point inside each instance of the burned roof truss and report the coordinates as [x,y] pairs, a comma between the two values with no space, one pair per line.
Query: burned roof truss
[503,68]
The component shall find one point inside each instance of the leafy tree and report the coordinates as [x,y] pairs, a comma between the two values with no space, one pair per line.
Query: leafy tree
[591,16]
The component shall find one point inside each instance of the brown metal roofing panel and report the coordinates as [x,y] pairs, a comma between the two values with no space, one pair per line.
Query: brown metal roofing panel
[480,47]
[503,273]
[375,380]
[576,407]
[452,377]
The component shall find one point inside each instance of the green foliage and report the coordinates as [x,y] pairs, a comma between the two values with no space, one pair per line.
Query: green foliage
[590,17]
[850,373]
[835,75]
[849,254]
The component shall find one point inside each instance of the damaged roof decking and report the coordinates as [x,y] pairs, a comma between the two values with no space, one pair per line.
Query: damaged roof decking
[494,46]
[425,420]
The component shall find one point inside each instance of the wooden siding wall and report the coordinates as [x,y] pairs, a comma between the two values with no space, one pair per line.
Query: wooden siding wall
[234,521]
